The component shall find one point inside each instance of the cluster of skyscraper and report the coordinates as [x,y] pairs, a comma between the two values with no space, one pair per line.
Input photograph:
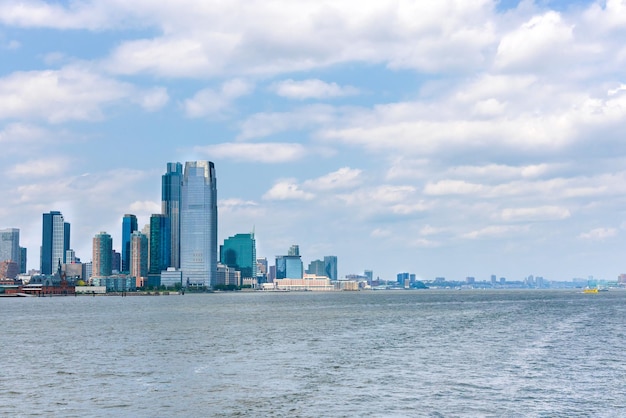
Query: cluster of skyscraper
[178,246]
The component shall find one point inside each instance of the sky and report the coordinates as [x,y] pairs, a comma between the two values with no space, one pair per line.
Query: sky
[446,139]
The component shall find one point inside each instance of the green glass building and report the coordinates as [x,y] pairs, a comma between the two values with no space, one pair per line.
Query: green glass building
[239,252]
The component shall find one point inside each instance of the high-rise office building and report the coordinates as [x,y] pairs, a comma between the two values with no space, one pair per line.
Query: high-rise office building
[23,259]
[239,252]
[171,183]
[129,225]
[10,245]
[159,244]
[198,224]
[330,267]
[316,267]
[55,241]
[139,257]
[294,250]
[102,255]
[289,267]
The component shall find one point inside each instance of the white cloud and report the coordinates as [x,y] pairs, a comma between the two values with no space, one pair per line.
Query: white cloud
[266,124]
[44,167]
[343,178]
[154,99]
[542,213]
[541,42]
[208,102]
[451,187]
[287,190]
[71,93]
[312,89]
[145,206]
[270,152]
[598,234]
[496,231]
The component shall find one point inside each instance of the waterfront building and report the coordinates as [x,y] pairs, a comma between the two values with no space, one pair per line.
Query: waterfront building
[102,255]
[159,258]
[198,224]
[116,262]
[171,184]
[227,276]
[171,277]
[117,283]
[289,267]
[10,245]
[139,257]
[308,282]
[129,225]
[239,252]
[70,257]
[87,270]
[369,274]
[55,241]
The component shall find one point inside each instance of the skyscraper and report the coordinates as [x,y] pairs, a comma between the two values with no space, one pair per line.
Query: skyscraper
[330,267]
[55,240]
[159,244]
[139,257]
[198,224]
[239,252]
[171,183]
[102,255]
[129,225]
[10,245]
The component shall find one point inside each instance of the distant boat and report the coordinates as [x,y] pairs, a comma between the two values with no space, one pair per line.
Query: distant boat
[590,290]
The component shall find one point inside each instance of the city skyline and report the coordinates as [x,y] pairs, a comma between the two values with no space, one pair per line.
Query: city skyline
[439,138]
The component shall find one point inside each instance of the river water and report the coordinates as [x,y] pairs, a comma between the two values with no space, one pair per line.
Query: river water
[351,354]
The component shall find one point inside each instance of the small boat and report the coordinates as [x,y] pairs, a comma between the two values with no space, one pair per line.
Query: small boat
[590,290]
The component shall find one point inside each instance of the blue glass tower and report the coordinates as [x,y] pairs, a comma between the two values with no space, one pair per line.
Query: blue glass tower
[55,241]
[129,225]
[198,224]
[171,184]
[159,244]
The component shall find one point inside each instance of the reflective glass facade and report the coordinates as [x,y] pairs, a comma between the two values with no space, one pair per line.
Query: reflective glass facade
[129,225]
[239,252]
[102,255]
[198,224]
[159,243]
[55,241]
[10,245]
[171,184]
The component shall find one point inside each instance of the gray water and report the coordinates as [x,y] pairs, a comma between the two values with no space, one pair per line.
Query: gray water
[353,354]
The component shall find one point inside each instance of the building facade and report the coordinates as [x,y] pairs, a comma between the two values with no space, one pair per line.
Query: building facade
[159,244]
[171,184]
[139,257]
[198,224]
[10,245]
[129,225]
[55,241]
[102,255]
[330,267]
[239,252]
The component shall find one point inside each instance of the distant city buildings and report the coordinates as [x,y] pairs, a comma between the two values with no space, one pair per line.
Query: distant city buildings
[139,258]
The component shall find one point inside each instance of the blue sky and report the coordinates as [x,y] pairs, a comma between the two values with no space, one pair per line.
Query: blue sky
[442,138]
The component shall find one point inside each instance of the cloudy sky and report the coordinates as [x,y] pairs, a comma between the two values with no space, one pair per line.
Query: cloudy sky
[443,138]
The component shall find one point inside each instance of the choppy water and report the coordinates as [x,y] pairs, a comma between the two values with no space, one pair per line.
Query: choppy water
[413,353]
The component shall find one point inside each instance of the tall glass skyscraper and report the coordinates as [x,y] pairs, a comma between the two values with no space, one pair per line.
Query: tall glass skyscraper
[159,244]
[239,252]
[330,267]
[171,183]
[129,225]
[55,241]
[198,224]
